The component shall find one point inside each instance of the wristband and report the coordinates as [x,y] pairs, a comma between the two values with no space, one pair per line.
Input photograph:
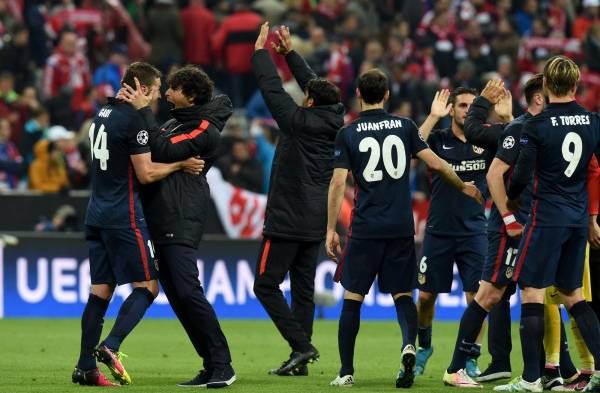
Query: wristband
[510,221]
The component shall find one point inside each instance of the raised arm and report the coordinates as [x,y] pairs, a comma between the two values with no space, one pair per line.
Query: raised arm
[280,104]
[302,72]
[477,130]
[439,109]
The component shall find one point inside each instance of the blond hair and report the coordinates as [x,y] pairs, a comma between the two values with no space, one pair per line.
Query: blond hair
[561,75]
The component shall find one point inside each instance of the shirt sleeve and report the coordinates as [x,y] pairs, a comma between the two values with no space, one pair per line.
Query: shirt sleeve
[341,152]
[477,130]
[417,140]
[508,144]
[139,137]
[526,162]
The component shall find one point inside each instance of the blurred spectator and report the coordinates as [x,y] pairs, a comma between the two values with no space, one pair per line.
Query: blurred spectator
[265,138]
[107,77]
[7,21]
[67,71]
[8,97]
[506,41]
[591,12]
[35,18]
[165,34]
[240,168]
[591,48]
[234,45]
[15,57]
[75,158]
[47,172]
[82,19]
[525,16]
[11,162]
[273,10]
[33,131]
[199,25]
[64,220]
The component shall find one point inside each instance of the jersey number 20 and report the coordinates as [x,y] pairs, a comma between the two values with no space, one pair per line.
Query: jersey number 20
[572,156]
[385,150]
[98,146]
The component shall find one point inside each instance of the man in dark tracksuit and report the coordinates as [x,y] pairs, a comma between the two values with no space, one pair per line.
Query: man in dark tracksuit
[296,215]
[176,211]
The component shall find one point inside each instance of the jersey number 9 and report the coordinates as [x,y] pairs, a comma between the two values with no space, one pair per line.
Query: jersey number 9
[572,155]
[391,142]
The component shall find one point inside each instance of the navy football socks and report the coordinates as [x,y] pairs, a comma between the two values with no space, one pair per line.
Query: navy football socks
[347,331]
[130,314]
[499,339]
[406,312]
[92,321]
[589,327]
[425,336]
[532,339]
[567,368]
[470,325]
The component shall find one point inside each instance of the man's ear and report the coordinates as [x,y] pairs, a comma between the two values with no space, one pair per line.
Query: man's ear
[386,96]
[310,102]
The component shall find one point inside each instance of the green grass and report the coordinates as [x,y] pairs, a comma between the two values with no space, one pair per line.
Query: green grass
[39,355]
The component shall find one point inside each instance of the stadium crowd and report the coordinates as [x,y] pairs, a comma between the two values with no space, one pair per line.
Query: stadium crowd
[60,60]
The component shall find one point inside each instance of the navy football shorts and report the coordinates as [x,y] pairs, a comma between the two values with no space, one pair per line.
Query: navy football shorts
[120,256]
[436,268]
[551,256]
[499,267]
[393,261]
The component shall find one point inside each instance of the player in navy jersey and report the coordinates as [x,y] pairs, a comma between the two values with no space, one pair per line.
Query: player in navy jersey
[456,225]
[377,148]
[556,147]
[120,249]
[504,228]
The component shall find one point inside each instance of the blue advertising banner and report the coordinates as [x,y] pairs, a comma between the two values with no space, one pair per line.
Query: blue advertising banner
[49,278]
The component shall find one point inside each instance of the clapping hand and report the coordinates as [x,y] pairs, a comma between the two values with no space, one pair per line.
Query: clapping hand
[262,36]
[284,45]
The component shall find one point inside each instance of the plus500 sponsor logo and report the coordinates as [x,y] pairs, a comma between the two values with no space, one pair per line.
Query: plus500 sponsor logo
[470,165]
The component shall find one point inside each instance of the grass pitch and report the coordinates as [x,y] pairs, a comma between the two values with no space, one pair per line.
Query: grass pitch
[39,356]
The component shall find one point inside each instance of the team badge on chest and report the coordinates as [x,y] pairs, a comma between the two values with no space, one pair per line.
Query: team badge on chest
[478,150]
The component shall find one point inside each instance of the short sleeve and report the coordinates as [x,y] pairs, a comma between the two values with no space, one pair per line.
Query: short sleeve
[508,144]
[138,138]
[341,152]
[417,140]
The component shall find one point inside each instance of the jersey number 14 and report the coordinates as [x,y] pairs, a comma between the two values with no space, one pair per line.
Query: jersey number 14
[391,142]
[98,146]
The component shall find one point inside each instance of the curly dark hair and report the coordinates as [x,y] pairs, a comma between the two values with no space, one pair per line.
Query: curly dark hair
[193,82]
[323,92]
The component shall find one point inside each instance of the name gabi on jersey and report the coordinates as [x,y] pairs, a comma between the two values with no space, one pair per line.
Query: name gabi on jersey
[380,125]
[469,165]
[105,112]
[575,120]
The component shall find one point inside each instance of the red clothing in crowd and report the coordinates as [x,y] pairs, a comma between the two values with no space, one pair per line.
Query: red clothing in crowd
[199,25]
[63,70]
[234,41]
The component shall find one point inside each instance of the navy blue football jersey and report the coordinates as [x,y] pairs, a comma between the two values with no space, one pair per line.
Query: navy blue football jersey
[377,148]
[451,213]
[508,151]
[556,146]
[116,133]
